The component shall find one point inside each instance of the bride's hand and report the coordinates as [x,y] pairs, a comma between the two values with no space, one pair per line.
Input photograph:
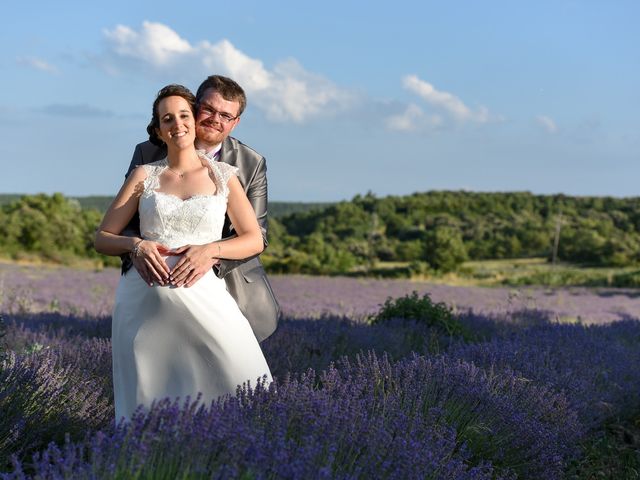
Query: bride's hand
[140,265]
[195,262]
[149,257]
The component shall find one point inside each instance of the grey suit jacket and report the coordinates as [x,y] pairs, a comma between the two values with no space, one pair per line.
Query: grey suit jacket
[246,279]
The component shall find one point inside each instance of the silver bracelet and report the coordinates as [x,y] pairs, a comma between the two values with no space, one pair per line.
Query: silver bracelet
[135,251]
[218,244]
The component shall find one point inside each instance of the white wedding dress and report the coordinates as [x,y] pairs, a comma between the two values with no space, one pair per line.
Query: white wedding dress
[178,342]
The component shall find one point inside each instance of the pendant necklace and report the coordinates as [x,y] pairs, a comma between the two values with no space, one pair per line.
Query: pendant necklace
[179,174]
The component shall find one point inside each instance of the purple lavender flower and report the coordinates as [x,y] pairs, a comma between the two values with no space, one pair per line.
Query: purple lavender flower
[41,401]
[596,366]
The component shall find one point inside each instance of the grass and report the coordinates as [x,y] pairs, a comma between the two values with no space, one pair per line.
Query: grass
[521,272]
[515,272]
[79,263]
[613,453]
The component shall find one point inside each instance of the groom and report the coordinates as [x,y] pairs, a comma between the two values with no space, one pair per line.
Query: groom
[219,103]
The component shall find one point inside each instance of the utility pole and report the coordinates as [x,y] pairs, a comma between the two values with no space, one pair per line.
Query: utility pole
[556,240]
[371,240]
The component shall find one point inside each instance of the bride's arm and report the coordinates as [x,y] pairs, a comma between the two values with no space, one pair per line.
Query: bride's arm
[107,240]
[247,243]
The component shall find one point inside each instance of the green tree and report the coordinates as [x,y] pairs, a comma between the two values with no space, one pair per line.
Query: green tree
[444,249]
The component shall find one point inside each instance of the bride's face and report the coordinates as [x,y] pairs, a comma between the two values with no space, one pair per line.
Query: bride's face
[177,124]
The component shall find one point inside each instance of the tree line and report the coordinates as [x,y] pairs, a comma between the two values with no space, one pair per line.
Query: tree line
[102,202]
[432,231]
[438,230]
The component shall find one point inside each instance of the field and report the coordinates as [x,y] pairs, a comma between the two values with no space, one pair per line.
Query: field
[29,289]
[498,382]
[520,272]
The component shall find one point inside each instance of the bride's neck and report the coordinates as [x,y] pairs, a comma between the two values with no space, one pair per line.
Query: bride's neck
[183,158]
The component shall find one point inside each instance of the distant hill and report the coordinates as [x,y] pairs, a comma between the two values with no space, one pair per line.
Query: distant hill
[101,203]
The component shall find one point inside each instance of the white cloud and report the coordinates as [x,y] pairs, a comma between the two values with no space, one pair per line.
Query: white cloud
[412,119]
[547,123]
[155,43]
[287,92]
[247,71]
[37,63]
[445,101]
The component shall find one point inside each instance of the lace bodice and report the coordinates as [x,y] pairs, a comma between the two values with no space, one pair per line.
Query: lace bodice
[174,222]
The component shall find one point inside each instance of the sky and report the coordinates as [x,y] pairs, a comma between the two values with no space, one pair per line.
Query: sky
[344,98]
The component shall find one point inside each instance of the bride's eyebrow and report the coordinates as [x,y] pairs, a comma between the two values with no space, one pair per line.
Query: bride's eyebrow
[169,114]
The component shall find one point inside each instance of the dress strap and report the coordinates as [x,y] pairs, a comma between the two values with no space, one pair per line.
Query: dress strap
[153,170]
[222,173]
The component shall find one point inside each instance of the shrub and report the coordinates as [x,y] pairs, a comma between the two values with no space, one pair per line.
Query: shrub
[422,310]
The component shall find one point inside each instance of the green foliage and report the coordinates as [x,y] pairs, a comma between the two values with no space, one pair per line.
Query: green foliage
[613,452]
[53,228]
[424,310]
[437,229]
[445,250]
[443,229]
[101,204]
[280,209]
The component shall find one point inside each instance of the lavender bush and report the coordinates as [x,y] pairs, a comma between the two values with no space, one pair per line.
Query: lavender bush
[519,427]
[40,401]
[595,366]
[417,418]
[300,344]
[3,332]
[293,431]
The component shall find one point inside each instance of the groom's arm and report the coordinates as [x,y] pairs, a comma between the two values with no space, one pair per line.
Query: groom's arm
[257,195]
[133,227]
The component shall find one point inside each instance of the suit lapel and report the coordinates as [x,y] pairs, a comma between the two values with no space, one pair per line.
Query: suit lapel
[231,154]
[228,152]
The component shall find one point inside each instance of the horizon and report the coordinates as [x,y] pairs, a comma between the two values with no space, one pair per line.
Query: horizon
[272,200]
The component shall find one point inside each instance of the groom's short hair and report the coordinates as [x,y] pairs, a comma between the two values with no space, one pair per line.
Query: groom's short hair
[227,88]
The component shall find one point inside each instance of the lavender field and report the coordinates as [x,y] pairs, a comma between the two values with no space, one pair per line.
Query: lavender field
[32,289]
[515,386]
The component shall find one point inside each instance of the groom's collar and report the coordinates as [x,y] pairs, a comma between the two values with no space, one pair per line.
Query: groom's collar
[214,153]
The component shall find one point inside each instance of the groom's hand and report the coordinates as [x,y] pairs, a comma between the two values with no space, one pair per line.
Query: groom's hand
[149,262]
[140,265]
[195,262]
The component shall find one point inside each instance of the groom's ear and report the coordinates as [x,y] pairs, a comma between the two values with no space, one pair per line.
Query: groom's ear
[235,123]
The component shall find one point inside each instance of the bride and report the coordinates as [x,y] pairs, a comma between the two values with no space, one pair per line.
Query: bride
[170,340]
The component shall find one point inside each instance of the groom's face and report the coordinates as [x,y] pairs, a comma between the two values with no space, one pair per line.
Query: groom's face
[216,118]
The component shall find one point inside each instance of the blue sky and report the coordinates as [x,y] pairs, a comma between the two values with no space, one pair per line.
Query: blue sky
[344,97]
